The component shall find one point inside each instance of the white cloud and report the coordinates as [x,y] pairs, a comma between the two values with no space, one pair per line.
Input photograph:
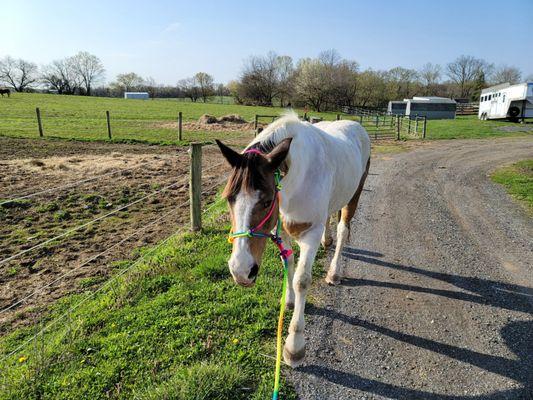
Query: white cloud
[173,27]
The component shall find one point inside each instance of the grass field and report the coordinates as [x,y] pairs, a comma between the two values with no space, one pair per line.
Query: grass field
[518,180]
[154,121]
[174,327]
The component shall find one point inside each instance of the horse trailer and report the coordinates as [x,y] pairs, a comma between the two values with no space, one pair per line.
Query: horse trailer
[513,102]
[136,95]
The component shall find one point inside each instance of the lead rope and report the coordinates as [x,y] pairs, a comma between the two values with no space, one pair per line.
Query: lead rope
[284,255]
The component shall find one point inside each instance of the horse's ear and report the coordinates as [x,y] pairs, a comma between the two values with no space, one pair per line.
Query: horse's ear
[278,153]
[233,158]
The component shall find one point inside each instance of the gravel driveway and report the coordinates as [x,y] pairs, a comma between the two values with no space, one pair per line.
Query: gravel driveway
[438,297]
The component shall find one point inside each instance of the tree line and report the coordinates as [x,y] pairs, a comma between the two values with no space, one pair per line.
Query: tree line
[326,82]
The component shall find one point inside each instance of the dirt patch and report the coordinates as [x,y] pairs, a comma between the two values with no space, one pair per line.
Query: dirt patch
[224,126]
[127,173]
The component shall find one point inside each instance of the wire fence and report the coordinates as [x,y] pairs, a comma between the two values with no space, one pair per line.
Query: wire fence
[41,329]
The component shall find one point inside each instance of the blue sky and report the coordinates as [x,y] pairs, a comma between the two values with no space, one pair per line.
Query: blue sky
[170,40]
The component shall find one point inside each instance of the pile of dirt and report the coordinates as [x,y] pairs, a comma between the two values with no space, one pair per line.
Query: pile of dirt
[207,119]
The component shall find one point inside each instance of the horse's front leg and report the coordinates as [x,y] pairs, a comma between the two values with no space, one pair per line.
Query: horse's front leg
[294,350]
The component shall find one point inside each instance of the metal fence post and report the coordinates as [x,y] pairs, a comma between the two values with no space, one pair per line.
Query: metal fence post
[397,127]
[338,117]
[195,186]
[180,126]
[416,125]
[39,123]
[255,121]
[108,124]
[424,127]
[409,126]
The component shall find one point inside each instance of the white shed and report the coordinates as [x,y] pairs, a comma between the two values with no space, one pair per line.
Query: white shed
[136,95]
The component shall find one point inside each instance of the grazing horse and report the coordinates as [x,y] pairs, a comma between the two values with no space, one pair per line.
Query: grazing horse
[324,166]
[5,91]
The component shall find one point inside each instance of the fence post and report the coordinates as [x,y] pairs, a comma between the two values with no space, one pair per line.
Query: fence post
[424,127]
[416,124]
[409,126]
[108,124]
[361,119]
[39,123]
[195,186]
[338,117]
[255,122]
[180,126]
[377,120]
[397,127]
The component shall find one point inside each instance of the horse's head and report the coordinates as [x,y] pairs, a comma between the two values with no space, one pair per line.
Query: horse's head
[251,195]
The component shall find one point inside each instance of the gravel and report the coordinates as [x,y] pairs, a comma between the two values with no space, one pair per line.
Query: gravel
[438,296]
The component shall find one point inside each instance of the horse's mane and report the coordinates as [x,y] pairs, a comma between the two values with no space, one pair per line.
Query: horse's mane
[274,133]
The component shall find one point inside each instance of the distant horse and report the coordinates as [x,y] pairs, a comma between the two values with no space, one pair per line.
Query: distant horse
[5,91]
[325,166]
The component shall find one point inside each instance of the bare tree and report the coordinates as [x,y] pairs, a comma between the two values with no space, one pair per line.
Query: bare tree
[504,74]
[190,88]
[129,81]
[61,76]
[89,69]
[465,71]
[18,73]
[205,83]
[430,75]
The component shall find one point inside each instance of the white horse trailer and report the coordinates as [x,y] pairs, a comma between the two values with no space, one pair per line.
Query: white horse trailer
[514,102]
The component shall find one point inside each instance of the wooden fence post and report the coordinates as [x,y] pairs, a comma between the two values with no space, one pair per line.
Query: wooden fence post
[39,123]
[338,117]
[195,186]
[255,121]
[180,126]
[361,119]
[424,127]
[409,126]
[108,124]
[397,127]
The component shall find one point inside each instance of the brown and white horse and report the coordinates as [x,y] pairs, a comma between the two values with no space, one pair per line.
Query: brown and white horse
[325,166]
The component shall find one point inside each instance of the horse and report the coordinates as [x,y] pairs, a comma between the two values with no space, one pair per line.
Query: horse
[324,168]
[5,91]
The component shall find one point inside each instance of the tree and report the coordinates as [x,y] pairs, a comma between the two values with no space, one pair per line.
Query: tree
[206,86]
[310,83]
[61,76]
[18,73]
[505,74]
[89,69]
[430,75]
[284,78]
[190,88]
[465,71]
[129,81]
[401,83]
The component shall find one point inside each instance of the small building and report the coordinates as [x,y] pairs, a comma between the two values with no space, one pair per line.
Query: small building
[431,107]
[396,107]
[513,102]
[136,95]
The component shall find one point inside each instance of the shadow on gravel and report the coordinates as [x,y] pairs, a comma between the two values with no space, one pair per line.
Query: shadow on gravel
[517,335]
[483,291]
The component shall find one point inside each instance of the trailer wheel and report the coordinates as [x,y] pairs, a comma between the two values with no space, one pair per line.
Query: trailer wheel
[514,112]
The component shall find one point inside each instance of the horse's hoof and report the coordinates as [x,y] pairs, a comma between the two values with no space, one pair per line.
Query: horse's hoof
[294,360]
[333,280]
[327,242]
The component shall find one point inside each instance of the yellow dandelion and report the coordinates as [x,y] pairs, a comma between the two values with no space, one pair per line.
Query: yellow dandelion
[235,341]
[22,359]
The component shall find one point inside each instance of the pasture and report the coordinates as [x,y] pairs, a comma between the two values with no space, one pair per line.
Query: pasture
[155,121]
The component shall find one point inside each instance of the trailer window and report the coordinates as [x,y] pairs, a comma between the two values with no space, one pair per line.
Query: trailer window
[490,96]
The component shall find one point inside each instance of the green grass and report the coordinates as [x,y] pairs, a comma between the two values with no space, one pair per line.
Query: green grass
[470,127]
[175,327]
[518,180]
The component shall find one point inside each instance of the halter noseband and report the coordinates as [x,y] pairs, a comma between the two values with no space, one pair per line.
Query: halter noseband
[253,232]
